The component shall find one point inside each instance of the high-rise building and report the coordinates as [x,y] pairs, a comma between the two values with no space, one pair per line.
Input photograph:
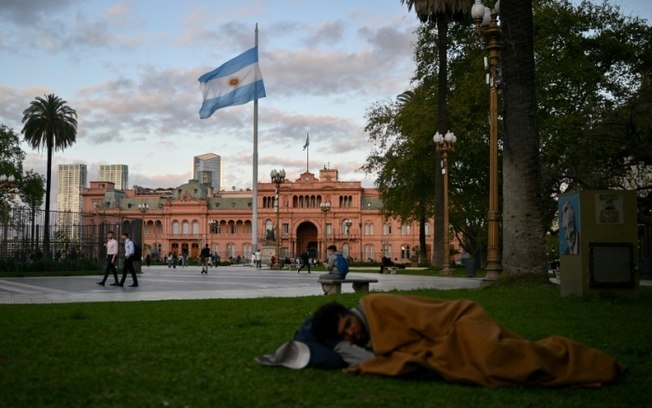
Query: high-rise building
[207,168]
[71,180]
[118,174]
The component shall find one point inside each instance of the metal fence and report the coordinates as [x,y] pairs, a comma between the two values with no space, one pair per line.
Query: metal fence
[72,235]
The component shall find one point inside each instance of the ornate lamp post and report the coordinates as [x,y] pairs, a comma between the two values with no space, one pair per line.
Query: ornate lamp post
[445,144]
[7,183]
[325,208]
[278,177]
[143,208]
[212,229]
[486,26]
[347,224]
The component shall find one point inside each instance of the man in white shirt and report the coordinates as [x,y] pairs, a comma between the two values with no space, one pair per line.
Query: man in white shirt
[111,255]
[129,262]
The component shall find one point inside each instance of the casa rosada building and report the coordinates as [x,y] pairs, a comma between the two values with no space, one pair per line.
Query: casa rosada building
[184,219]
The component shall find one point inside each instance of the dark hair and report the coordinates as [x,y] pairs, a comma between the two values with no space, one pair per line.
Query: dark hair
[325,322]
[124,234]
[332,248]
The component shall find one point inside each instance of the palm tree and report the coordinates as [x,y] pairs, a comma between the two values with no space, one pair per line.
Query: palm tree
[523,232]
[49,123]
[441,12]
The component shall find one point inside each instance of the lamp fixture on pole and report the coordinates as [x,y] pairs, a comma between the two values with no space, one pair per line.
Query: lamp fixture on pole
[445,143]
[143,207]
[486,26]
[278,177]
[325,208]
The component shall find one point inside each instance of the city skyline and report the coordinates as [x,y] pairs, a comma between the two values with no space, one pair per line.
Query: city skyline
[130,70]
[71,180]
[207,168]
[118,174]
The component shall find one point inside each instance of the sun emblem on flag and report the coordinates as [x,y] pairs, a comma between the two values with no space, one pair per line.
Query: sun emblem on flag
[234,81]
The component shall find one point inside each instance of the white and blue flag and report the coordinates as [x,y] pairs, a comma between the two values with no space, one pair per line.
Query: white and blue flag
[307,141]
[235,82]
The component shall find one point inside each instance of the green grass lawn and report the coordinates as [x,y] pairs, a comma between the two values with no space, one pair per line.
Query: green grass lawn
[201,354]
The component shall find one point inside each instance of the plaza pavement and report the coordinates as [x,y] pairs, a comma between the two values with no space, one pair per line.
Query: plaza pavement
[225,282]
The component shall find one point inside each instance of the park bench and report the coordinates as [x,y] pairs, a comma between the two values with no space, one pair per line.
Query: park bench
[334,286]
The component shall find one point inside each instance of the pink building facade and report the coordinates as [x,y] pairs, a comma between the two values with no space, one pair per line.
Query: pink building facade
[184,219]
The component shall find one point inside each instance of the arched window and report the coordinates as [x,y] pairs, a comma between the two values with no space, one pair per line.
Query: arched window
[216,249]
[185,228]
[345,250]
[369,252]
[246,250]
[195,227]
[426,228]
[405,251]
[230,250]
[388,251]
[175,227]
[269,226]
[406,229]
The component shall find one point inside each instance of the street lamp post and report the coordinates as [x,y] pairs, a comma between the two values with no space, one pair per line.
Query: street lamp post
[445,144]
[212,229]
[7,183]
[347,226]
[143,208]
[278,177]
[486,25]
[325,208]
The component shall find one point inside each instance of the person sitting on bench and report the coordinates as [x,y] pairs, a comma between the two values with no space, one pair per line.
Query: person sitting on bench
[385,262]
[332,266]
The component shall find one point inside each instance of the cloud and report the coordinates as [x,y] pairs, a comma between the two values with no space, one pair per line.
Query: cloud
[57,27]
[331,32]
[30,12]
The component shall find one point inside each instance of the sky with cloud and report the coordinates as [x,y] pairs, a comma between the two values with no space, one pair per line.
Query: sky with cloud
[130,67]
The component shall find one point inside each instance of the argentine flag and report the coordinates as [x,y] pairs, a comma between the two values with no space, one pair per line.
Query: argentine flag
[236,82]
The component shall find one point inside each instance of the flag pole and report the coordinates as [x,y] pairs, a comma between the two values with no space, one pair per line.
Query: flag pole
[254,190]
[307,152]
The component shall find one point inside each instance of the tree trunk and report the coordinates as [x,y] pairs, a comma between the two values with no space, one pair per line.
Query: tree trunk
[421,256]
[442,127]
[33,207]
[46,227]
[523,232]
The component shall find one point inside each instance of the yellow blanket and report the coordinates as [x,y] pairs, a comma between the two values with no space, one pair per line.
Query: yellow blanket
[459,341]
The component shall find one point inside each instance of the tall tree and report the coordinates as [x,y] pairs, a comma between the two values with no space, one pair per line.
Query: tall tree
[399,131]
[32,193]
[593,91]
[11,160]
[11,155]
[51,124]
[523,232]
[441,12]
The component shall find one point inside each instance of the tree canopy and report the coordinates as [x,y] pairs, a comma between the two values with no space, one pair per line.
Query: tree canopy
[594,107]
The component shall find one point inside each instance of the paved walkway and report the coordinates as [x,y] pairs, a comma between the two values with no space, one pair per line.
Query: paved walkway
[162,283]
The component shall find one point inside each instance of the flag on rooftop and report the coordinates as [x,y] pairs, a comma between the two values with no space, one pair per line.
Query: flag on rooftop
[307,141]
[235,82]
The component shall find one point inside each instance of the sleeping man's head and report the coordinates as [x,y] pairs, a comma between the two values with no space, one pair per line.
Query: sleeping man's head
[333,323]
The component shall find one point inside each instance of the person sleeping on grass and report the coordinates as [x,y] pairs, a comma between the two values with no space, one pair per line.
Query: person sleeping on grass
[456,340]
